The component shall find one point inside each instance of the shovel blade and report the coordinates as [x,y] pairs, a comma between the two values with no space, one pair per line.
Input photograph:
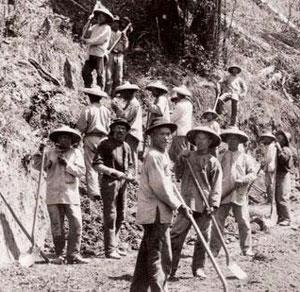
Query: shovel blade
[237,271]
[27,260]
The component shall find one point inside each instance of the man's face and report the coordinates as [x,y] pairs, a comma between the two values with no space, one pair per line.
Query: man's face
[266,141]
[234,71]
[115,26]
[119,132]
[64,141]
[161,138]
[100,17]
[156,92]
[281,139]
[127,94]
[202,141]
[233,142]
[209,117]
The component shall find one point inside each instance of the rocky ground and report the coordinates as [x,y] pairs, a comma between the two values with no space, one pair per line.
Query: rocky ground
[275,267]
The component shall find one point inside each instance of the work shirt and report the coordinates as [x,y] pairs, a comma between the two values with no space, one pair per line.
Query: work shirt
[234,85]
[62,181]
[159,109]
[94,119]
[122,44]
[284,160]
[99,40]
[237,166]
[270,152]
[132,113]
[183,116]
[156,189]
[113,158]
[209,175]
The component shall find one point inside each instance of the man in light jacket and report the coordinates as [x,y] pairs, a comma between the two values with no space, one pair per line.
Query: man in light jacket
[238,172]
[156,204]
[182,116]
[64,166]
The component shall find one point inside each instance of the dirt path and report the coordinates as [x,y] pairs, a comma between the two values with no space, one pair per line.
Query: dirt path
[276,267]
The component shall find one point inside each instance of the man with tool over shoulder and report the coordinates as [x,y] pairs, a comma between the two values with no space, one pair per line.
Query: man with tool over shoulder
[208,171]
[238,172]
[156,204]
[64,166]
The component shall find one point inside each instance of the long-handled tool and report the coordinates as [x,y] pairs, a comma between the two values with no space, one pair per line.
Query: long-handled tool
[205,244]
[232,266]
[124,31]
[29,259]
[43,255]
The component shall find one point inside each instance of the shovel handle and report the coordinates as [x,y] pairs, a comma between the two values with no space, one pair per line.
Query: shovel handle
[204,198]
[37,197]
[206,246]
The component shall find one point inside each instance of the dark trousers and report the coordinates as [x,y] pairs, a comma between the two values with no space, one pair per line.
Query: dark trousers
[234,108]
[114,198]
[153,265]
[282,196]
[91,64]
[178,234]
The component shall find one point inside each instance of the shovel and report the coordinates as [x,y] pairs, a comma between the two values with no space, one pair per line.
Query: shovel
[29,259]
[232,266]
[205,244]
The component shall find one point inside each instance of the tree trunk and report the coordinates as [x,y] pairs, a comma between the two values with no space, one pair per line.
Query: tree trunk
[207,25]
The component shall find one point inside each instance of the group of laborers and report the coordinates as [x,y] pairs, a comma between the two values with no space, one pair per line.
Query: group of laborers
[111,139]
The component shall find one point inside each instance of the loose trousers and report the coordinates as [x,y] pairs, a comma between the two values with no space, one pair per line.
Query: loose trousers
[91,64]
[134,144]
[92,176]
[114,72]
[241,214]
[153,265]
[234,106]
[178,234]
[114,198]
[282,196]
[57,213]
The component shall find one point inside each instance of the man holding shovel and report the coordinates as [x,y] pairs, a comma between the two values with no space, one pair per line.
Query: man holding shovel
[238,172]
[208,171]
[115,65]
[64,166]
[156,203]
[97,37]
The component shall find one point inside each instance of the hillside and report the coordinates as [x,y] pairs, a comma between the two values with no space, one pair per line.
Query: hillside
[40,81]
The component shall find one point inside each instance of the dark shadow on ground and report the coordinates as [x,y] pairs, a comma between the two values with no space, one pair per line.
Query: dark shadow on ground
[9,237]
[125,277]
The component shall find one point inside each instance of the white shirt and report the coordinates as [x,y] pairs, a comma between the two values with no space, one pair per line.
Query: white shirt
[94,119]
[99,40]
[183,116]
